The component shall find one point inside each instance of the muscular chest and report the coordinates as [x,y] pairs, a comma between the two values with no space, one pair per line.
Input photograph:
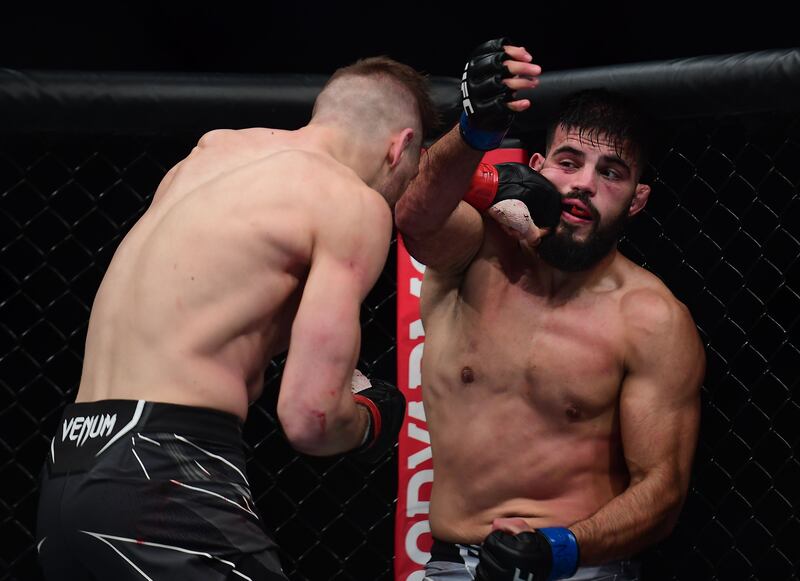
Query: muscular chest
[564,360]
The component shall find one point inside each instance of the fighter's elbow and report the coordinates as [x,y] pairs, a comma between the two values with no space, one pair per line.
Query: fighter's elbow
[305,428]
[661,493]
[404,219]
[413,224]
[670,510]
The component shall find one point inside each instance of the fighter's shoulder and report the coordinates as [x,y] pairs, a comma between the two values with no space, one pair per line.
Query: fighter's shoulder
[246,136]
[648,306]
[660,337]
[237,139]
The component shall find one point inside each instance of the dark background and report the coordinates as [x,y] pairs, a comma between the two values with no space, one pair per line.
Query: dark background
[723,231]
[318,37]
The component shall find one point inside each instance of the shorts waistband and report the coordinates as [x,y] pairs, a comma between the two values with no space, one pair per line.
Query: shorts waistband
[452,552]
[147,416]
[194,421]
[89,429]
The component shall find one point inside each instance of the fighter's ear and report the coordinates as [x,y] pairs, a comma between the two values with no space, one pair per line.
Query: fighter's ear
[639,200]
[536,162]
[398,145]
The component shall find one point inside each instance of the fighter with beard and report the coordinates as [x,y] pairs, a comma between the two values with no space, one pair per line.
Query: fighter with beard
[560,380]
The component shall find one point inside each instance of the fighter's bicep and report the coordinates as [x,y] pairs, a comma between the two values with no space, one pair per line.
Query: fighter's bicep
[660,398]
[325,336]
[349,252]
[657,432]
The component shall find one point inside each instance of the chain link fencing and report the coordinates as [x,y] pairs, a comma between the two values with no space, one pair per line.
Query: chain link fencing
[722,229]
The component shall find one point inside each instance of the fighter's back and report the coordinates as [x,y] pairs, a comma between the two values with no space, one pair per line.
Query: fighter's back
[202,291]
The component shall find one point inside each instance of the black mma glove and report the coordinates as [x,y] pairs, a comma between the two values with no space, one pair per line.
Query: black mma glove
[387,407]
[515,181]
[549,553]
[485,118]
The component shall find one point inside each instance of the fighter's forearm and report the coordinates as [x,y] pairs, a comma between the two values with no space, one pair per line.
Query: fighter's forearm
[346,432]
[445,173]
[644,514]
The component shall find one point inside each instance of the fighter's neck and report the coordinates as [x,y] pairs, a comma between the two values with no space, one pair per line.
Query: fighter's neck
[559,285]
[349,149]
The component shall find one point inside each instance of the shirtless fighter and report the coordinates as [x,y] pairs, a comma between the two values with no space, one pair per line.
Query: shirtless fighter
[560,380]
[259,240]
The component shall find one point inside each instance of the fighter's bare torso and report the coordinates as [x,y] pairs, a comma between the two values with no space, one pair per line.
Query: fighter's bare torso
[522,392]
[202,291]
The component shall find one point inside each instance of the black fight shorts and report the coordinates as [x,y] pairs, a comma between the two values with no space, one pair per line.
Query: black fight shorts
[133,490]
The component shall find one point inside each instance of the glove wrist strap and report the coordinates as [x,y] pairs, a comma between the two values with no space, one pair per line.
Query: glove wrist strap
[483,187]
[480,139]
[566,552]
[374,426]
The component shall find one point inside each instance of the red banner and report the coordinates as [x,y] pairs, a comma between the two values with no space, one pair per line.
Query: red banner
[415,467]
[415,464]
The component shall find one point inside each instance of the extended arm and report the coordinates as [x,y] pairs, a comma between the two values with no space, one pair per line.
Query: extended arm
[430,215]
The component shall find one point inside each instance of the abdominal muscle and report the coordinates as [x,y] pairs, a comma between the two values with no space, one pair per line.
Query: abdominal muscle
[464,506]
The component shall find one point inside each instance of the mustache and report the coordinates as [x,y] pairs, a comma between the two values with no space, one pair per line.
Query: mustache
[584,197]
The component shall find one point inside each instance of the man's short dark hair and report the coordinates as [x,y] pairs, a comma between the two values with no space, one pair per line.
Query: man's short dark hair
[596,113]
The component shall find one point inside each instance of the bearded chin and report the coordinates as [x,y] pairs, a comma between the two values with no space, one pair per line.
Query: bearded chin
[560,249]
